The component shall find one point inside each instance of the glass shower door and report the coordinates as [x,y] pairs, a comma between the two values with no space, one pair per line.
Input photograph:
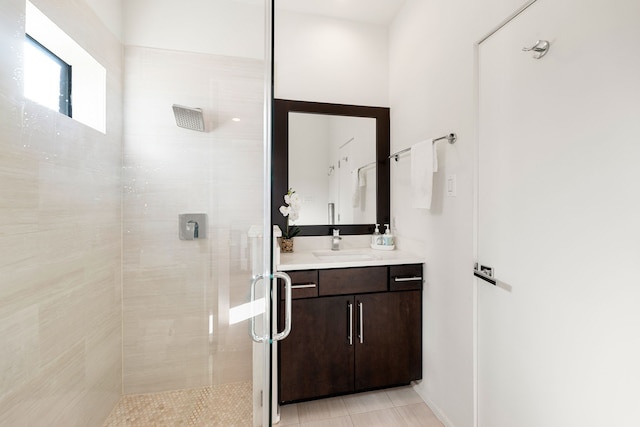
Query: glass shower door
[187,301]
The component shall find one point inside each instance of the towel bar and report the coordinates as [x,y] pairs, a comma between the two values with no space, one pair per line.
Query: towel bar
[452,138]
[367,165]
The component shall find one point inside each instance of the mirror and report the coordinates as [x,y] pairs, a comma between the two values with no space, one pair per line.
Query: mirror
[332,154]
[331,161]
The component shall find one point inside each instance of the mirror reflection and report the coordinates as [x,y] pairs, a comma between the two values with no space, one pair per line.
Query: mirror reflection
[339,158]
[332,167]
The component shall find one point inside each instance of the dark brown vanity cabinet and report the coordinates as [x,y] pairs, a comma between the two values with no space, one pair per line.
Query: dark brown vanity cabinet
[359,331]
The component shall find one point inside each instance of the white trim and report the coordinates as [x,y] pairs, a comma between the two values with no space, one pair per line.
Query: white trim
[435,409]
[506,21]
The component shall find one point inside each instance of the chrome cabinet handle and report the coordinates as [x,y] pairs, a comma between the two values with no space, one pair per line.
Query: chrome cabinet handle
[361,333]
[287,305]
[350,316]
[407,279]
[308,285]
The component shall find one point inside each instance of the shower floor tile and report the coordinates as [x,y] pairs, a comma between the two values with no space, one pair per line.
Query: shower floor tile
[228,405]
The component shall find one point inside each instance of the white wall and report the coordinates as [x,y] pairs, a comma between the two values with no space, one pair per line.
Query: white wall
[330,60]
[359,152]
[219,27]
[309,165]
[110,12]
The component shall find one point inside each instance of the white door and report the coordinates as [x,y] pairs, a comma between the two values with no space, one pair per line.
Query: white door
[558,218]
[345,187]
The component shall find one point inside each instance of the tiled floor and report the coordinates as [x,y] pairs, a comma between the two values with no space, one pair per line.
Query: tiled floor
[397,407]
[229,405]
[226,405]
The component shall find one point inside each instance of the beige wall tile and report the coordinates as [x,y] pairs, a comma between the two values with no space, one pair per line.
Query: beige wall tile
[19,352]
[60,241]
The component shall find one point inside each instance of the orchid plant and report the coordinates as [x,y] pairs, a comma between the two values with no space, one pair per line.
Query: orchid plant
[291,211]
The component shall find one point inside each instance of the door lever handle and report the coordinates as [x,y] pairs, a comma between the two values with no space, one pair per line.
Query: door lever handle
[485,273]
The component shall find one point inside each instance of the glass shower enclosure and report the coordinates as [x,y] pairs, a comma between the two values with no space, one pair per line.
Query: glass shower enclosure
[136,255]
[188,308]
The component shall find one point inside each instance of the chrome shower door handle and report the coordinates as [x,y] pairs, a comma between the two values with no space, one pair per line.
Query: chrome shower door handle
[252,322]
[287,305]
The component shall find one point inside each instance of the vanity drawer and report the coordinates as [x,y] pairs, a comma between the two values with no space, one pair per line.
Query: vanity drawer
[343,281]
[304,284]
[405,277]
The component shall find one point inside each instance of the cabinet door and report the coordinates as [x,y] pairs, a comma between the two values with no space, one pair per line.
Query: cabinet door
[316,359]
[388,339]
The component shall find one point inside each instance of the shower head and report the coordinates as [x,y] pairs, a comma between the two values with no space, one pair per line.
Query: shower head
[189,118]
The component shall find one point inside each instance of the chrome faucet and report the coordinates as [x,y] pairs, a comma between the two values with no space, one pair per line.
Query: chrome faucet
[335,241]
[195,228]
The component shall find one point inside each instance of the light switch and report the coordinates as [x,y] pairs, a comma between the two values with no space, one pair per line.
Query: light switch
[451,185]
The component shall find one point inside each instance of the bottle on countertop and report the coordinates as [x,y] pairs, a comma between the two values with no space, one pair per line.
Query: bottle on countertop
[376,237]
[387,237]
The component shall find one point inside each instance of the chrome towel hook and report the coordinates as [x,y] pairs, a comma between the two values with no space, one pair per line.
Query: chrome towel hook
[539,49]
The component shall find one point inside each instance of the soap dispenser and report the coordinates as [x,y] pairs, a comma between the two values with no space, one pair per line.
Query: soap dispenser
[376,237]
[387,238]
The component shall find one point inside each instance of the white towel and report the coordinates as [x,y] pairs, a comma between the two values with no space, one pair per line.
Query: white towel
[355,188]
[362,178]
[424,162]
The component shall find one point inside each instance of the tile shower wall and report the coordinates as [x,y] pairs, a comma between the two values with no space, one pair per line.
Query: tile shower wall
[60,239]
[172,287]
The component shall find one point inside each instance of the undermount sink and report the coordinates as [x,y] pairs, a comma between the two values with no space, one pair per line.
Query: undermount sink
[348,255]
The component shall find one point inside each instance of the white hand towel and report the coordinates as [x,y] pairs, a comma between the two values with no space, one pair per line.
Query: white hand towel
[355,189]
[424,162]
[362,178]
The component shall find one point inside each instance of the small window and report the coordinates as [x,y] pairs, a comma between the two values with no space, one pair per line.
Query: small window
[47,78]
[50,56]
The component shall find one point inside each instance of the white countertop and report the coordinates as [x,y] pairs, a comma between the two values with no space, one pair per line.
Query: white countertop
[325,258]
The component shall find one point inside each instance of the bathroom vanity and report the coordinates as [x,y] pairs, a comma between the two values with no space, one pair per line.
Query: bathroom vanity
[357,323]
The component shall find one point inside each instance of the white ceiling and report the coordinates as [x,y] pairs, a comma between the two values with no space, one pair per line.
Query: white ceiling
[371,11]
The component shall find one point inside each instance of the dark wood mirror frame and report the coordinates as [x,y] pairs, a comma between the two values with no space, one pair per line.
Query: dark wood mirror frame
[280,182]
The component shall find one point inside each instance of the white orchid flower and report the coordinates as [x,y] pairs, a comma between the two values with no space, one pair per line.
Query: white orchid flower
[285,210]
[291,210]
[294,199]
